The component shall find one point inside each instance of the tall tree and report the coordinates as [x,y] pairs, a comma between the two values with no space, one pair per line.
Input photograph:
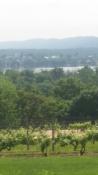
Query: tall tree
[85,106]
[29,107]
[8,101]
[68,88]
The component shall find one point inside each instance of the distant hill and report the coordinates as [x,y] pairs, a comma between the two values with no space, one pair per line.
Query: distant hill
[66,43]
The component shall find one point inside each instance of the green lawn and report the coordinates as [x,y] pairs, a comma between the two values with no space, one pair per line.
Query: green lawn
[49,166]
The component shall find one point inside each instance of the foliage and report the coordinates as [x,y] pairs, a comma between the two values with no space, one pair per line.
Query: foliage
[28,98]
[82,126]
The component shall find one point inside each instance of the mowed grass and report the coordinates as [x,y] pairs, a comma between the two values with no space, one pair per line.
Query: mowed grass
[49,166]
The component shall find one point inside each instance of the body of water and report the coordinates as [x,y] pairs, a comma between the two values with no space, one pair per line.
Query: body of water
[65,69]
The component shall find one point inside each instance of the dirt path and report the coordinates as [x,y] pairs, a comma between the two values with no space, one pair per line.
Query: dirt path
[39,154]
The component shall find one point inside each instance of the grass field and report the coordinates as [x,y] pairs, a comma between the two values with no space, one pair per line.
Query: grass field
[49,166]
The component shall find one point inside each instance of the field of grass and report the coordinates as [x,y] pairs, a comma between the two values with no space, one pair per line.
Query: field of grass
[49,166]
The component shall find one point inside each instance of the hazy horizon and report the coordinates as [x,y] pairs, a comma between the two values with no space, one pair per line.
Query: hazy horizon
[29,19]
[47,38]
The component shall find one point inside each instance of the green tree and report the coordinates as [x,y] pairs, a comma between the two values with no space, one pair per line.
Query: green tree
[8,101]
[29,106]
[85,106]
[87,75]
[57,73]
[68,88]
[54,111]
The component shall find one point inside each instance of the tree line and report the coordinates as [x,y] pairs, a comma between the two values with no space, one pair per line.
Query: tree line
[35,99]
[34,58]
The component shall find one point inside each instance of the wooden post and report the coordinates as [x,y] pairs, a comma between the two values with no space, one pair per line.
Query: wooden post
[28,145]
[53,138]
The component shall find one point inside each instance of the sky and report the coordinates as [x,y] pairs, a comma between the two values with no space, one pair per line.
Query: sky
[28,19]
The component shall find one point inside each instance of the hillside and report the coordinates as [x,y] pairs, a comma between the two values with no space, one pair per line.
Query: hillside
[66,43]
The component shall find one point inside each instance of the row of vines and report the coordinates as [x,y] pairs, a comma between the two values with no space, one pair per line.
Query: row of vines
[77,135]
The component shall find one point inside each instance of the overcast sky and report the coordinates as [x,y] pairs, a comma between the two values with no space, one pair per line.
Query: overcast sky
[27,19]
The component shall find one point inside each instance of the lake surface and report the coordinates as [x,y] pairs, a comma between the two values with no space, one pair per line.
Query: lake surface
[65,69]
